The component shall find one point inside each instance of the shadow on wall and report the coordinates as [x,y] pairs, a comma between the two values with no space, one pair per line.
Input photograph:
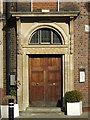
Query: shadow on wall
[59,103]
[70,6]
[87,6]
[1,95]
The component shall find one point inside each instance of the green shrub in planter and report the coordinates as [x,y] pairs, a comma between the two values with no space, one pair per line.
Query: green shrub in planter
[5,102]
[73,96]
[73,103]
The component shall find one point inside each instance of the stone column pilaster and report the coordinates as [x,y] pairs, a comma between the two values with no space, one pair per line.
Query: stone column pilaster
[25,82]
[71,55]
[19,65]
[19,47]
[66,73]
[20,79]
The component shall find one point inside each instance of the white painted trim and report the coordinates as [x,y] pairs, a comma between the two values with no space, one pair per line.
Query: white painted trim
[45,10]
[58,5]
[31,5]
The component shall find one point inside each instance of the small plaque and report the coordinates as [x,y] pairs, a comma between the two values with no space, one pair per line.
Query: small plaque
[87,28]
[82,75]
[12,79]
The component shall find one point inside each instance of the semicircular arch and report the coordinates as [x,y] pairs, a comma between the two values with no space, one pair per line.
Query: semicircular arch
[51,26]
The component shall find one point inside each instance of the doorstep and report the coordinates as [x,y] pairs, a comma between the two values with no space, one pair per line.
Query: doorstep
[47,112]
[44,109]
[41,112]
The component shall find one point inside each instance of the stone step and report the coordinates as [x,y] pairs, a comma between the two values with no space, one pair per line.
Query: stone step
[43,109]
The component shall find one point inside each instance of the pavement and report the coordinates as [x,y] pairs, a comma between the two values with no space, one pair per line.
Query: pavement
[52,115]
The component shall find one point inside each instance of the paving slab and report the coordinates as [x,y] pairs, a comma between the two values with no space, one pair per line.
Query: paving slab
[51,115]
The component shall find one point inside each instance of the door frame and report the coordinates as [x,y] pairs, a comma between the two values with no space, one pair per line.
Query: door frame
[24,49]
[59,103]
[23,76]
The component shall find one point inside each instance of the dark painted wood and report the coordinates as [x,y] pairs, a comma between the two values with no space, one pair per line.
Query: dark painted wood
[45,80]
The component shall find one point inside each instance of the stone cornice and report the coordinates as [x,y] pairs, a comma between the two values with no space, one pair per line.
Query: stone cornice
[46,14]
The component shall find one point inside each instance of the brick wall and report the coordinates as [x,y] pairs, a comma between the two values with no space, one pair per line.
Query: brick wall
[81,51]
[38,6]
[13,44]
[13,61]
[89,54]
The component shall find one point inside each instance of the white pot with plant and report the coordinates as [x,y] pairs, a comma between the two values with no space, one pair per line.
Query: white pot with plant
[73,100]
[5,107]
[5,102]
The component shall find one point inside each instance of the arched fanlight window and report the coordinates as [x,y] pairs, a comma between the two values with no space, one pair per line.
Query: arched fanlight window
[45,36]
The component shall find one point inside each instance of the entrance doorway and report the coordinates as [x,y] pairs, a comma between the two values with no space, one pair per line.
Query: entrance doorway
[45,84]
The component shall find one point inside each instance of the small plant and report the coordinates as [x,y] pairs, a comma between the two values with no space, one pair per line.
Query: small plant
[5,100]
[12,94]
[73,96]
[12,91]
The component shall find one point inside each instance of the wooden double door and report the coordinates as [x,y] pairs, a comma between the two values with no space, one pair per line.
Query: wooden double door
[45,80]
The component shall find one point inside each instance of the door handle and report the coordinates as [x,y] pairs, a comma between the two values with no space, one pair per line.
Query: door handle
[54,83]
[37,83]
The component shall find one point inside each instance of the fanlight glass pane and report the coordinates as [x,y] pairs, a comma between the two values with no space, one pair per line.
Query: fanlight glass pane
[34,38]
[56,38]
[45,35]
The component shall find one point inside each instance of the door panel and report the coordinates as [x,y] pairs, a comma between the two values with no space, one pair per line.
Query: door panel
[54,81]
[45,80]
[36,81]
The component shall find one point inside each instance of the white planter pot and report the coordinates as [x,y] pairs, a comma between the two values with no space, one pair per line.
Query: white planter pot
[5,111]
[74,109]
